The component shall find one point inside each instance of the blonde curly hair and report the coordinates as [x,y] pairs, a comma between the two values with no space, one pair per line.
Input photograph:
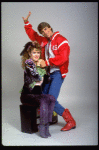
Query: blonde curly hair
[27,49]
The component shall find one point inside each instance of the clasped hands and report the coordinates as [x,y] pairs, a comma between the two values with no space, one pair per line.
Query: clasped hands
[41,63]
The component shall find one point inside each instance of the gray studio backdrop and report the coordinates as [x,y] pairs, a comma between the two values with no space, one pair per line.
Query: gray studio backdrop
[78,22]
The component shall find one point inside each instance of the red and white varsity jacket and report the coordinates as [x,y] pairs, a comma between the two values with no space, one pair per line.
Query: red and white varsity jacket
[59,46]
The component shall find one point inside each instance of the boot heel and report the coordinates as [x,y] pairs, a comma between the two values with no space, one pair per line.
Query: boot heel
[74,127]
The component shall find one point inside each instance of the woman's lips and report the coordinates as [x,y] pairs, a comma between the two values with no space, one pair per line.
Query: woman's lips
[36,57]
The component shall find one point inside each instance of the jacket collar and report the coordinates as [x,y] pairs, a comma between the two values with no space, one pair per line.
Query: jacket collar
[54,35]
[52,38]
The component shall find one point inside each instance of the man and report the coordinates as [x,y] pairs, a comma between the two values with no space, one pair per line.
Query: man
[55,50]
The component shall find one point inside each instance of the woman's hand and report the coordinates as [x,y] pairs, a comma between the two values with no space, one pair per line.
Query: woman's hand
[26,19]
[41,63]
[39,83]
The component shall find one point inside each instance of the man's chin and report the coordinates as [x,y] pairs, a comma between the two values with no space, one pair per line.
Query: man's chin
[48,37]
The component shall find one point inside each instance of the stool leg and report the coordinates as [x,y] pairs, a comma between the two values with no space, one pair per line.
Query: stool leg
[28,119]
[34,119]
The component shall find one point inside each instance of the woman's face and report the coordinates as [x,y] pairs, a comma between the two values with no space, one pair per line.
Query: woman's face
[35,54]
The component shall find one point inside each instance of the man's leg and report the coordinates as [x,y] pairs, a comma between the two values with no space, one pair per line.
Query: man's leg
[54,89]
[45,88]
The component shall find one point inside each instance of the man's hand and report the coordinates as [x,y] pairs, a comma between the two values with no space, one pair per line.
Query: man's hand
[41,63]
[26,19]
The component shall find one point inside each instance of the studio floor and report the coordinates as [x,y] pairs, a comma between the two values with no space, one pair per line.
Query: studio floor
[86,133]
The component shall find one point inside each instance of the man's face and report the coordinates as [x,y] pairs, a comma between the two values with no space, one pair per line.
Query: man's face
[47,32]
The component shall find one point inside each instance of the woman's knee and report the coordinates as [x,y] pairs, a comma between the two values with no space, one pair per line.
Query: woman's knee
[52,98]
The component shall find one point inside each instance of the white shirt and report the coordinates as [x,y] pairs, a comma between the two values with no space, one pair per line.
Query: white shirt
[48,52]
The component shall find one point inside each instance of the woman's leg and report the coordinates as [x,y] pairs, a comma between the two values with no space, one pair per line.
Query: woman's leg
[43,110]
[47,103]
[51,104]
[43,117]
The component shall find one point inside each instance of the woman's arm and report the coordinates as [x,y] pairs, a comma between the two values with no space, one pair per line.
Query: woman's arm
[39,83]
[32,71]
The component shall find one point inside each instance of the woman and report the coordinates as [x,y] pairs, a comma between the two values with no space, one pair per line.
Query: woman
[32,89]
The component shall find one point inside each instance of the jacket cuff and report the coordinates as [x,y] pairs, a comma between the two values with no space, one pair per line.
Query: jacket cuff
[64,75]
[26,22]
[50,61]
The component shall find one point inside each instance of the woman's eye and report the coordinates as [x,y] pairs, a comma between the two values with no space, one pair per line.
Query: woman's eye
[45,29]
